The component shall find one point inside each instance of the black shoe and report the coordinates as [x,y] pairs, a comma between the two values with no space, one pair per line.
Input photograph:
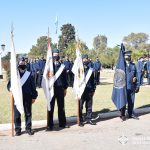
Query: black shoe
[133,117]
[65,126]
[29,131]
[91,122]
[49,129]
[18,133]
[81,124]
[123,118]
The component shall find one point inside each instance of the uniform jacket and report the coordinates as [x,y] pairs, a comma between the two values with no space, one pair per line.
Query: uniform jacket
[140,66]
[67,65]
[62,79]
[97,65]
[148,66]
[91,84]
[131,72]
[28,87]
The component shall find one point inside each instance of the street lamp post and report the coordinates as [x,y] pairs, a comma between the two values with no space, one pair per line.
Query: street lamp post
[1,51]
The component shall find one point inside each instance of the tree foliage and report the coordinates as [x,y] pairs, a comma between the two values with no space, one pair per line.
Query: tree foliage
[100,43]
[40,48]
[71,49]
[67,36]
[136,39]
[6,64]
[108,57]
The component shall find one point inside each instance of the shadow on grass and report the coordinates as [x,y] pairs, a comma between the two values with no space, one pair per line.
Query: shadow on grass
[144,106]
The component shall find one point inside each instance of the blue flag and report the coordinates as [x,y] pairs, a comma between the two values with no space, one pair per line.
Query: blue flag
[119,96]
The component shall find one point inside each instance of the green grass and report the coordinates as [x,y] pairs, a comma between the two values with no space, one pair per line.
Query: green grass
[101,101]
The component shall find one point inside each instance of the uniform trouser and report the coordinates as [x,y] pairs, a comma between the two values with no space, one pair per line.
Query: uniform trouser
[97,77]
[59,95]
[39,78]
[140,77]
[34,74]
[71,78]
[86,97]
[130,100]
[68,78]
[27,104]
[148,78]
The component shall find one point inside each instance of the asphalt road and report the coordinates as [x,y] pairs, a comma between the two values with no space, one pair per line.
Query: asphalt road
[110,134]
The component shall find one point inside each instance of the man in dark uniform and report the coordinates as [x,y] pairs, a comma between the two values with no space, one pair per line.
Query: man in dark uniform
[132,86]
[87,95]
[60,89]
[140,70]
[41,64]
[27,64]
[71,73]
[29,96]
[90,64]
[148,70]
[36,70]
[68,69]
[97,67]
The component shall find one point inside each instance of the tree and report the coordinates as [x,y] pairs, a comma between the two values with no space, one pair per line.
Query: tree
[136,39]
[109,57]
[100,43]
[71,49]
[6,64]
[40,48]
[67,36]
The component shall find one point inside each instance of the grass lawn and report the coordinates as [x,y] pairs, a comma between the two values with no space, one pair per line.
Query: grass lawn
[101,101]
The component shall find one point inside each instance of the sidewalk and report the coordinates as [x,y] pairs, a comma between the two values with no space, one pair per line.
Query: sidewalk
[111,134]
[107,115]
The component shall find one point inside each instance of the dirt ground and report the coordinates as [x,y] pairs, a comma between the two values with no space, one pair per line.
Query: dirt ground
[106,135]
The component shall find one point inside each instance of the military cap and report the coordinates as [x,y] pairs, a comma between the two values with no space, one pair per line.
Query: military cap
[127,52]
[55,51]
[85,56]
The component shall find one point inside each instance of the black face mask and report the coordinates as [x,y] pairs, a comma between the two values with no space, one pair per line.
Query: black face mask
[85,63]
[128,59]
[56,58]
[22,67]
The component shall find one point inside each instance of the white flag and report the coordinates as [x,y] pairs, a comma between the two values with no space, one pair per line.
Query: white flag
[48,89]
[16,88]
[79,76]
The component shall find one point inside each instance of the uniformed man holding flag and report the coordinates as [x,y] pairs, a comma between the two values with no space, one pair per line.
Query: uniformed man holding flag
[84,86]
[29,95]
[23,91]
[126,84]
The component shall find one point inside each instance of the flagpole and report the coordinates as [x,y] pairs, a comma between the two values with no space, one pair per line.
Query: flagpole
[56,32]
[47,107]
[78,104]
[12,115]
[48,45]
[47,118]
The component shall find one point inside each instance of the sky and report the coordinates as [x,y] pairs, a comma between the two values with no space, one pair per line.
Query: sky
[31,19]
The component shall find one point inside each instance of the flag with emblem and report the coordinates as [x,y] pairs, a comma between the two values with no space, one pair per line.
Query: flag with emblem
[79,76]
[46,85]
[119,96]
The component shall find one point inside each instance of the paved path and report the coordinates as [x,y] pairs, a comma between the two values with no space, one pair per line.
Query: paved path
[110,134]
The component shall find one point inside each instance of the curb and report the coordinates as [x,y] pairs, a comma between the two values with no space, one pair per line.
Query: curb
[107,115]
